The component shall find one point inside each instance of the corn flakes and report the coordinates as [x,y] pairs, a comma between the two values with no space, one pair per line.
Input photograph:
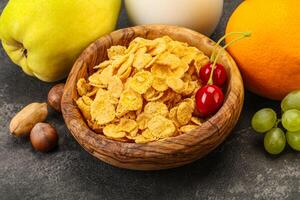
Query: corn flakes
[144,92]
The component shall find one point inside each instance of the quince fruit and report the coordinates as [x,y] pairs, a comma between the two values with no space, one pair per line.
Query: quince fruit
[45,37]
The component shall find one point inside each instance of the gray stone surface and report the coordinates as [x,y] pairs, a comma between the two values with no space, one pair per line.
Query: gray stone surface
[238,169]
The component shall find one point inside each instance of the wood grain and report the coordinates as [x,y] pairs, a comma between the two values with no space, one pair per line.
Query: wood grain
[168,153]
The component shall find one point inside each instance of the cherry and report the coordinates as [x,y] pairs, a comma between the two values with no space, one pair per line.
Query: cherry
[210,97]
[209,100]
[219,76]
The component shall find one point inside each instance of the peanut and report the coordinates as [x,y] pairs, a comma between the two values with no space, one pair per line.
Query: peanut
[27,118]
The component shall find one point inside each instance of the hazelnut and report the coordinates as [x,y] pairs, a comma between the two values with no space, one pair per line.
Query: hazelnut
[43,137]
[55,95]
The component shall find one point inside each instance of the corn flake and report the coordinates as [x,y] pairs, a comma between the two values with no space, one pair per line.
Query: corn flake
[184,113]
[196,120]
[115,86]
[168,95]
[126,74]
[84,108]
[161,71]
[147,134]
[169,60]
[103,64]
[87,100]
[118,61]
[141,82]
[143,120]
[152,61]
[152,94]
[115,51]
[113,131]
[189,87]
[127,64]
[102,110]
[141,59]
[128,125]
[156,108]
[161,127]
[159,48]
[159,84]
[82,87]
[188,128]
[92,92]
[130,100]
[103,78]
[140,139]
[176,84]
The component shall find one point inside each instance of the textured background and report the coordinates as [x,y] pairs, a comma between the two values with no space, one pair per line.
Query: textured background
[238,169]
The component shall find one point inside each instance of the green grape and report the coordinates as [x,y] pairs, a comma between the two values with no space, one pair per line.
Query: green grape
[291,101]
[291,120]
[264,120]
[293,139]
[275,141]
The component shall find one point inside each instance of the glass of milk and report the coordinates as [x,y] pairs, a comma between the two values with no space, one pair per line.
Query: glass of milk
[200,15]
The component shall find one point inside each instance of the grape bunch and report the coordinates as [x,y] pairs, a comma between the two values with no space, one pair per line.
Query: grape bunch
[266,121]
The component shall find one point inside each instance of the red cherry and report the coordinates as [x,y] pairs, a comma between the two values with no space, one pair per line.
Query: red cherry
[209,100]
[219,76]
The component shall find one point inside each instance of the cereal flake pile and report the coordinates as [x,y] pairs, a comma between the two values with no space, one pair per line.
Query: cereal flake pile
[145,92]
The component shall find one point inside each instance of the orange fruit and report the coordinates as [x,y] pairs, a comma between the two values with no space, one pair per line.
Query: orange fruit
[270,59]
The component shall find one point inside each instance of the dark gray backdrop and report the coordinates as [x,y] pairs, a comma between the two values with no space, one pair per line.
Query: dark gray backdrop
[238,169]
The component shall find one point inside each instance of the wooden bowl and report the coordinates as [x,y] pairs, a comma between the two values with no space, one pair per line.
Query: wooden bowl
[167,153]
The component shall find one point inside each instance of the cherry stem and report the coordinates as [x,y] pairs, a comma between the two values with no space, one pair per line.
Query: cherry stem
[215,59]
[247,34]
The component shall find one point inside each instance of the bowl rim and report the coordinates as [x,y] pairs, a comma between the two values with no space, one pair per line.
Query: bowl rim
[178,143]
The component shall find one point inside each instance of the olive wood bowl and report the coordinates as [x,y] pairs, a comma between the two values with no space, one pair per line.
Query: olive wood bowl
[168,153]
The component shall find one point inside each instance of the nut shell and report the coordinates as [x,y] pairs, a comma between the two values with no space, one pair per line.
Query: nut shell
[43,137]
[22,123]
[55,95]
